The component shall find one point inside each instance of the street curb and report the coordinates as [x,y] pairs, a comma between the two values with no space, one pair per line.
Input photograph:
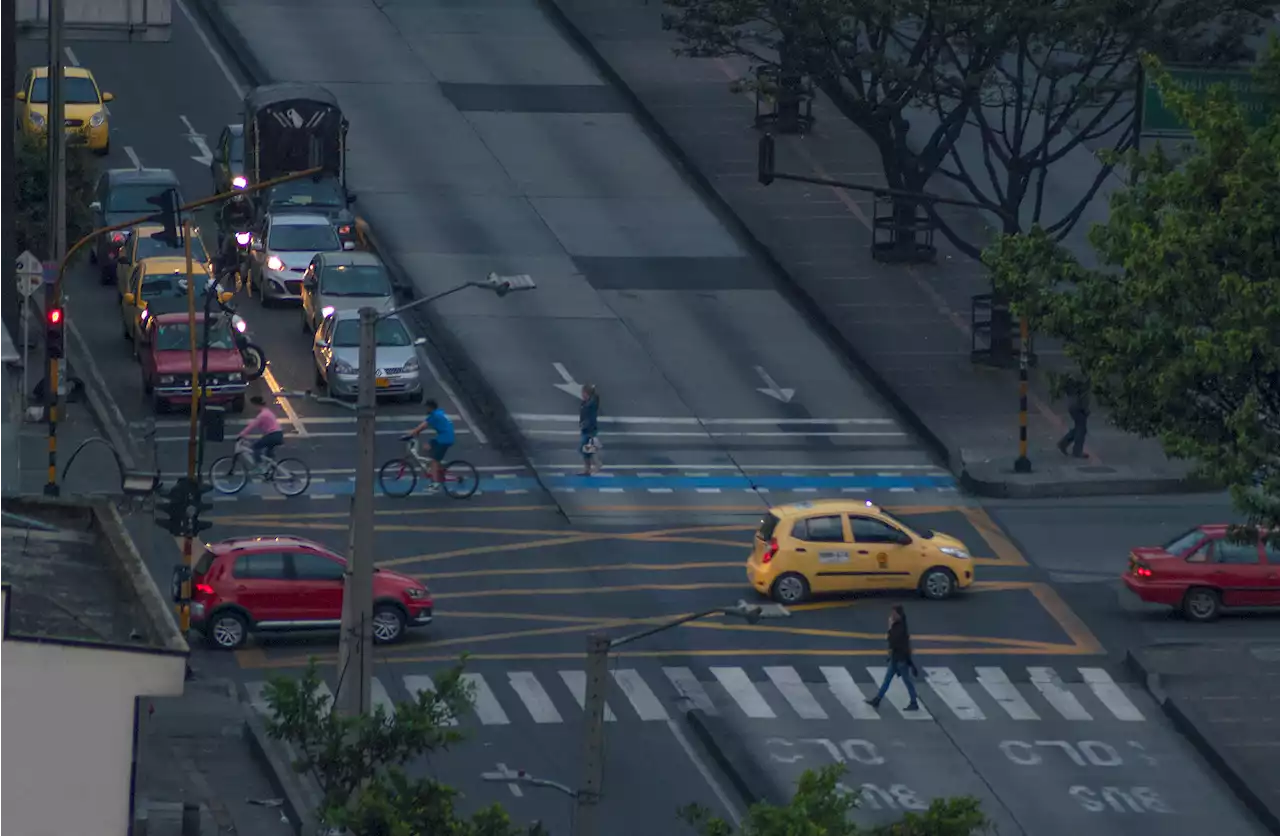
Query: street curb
[1144,486]
[1185,724]
[479,393]
[273,758]
[737,764]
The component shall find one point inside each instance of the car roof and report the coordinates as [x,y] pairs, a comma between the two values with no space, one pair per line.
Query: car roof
[142,175]
[300,219]
[68,72]
[350,258]
[263,543]
[171,264]
[178,318]
[797,509]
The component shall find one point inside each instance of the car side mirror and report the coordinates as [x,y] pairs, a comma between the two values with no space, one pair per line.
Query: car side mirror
[108,97]
[322,342]
[128,298]
[255,244]
[96,206]
[226,296]
[20,96]
[420,341]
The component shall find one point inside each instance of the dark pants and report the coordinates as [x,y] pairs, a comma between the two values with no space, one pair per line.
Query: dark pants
[1075,435]
[267,444]
[902,669]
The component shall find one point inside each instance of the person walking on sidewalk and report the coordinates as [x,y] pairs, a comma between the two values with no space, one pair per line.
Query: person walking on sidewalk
[900,662]
[589,429]
[1078,409]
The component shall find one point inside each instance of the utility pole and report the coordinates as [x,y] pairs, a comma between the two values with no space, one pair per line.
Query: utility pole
[355,658]
[184,616]
[587,799]
[55,129]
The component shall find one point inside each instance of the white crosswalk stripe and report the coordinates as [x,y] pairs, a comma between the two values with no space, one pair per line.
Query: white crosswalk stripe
[505,698]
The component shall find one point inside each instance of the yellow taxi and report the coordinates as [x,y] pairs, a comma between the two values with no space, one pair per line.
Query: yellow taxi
[140,245]
[838,545]
[86,107]
[158,286]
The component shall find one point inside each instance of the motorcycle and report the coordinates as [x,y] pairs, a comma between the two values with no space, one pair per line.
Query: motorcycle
[255,360]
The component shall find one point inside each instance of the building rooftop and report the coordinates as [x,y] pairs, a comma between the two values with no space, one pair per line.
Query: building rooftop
[73,575]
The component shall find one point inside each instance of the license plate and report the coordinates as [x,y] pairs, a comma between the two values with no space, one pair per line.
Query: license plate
[381,382]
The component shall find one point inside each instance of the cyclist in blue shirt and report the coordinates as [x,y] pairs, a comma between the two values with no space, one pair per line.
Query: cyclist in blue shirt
[439,422]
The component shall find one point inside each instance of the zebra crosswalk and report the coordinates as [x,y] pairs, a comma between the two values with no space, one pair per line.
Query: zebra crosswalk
[775,692]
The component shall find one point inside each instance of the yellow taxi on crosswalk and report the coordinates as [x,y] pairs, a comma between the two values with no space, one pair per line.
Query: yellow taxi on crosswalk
[837,545]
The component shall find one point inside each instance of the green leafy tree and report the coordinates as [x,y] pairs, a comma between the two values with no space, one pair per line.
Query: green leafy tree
[1178,331]
[31,195]
[360,763]
[822,806]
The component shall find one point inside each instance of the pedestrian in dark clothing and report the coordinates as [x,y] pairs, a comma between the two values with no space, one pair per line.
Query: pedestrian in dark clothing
[900,662]
[1078,409]
[589,429]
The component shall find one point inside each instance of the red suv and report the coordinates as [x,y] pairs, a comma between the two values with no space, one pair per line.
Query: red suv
[282,584]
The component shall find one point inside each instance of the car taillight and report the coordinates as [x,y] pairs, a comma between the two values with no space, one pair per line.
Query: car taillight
[1142,570]
[344,230]
[204,589]
[117,237]
[769,552]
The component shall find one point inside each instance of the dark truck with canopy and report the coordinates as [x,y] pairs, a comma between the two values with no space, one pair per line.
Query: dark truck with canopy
[292,127]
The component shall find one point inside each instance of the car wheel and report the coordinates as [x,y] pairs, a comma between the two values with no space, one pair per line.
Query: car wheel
[1201,604]
[319,379]
[388,624]
[227,630]
[790,588]
[938,584]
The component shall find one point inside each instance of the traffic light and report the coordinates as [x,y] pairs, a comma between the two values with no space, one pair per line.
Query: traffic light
[171,515]
[765,160]
[200,506]
[167,217]
[53,333]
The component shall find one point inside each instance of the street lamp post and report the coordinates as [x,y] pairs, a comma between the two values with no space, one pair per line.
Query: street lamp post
[355,654]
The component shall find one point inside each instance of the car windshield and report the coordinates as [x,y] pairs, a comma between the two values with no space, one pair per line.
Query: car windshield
[307,192]
[149,246]
[153,286]
[176,336]
[1182,545]
[359,280]
[75,90]
[310,238]
[133,198]
[390,334]
[236,148]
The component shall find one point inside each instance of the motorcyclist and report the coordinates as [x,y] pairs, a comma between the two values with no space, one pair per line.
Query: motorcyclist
[237,215]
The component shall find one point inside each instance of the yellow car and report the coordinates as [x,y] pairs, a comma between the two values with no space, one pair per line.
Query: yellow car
[157,286]
[140,246]
[86,111]
[838,545]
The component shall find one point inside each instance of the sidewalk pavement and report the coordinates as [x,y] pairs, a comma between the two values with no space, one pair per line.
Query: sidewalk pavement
[1225,698]
[906,328]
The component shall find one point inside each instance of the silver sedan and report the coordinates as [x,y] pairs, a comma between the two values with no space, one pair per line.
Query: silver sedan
[336,350]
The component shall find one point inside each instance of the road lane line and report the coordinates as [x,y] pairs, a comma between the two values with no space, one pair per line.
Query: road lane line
[1049,684]
[1006,694]
[780,434]
[487,707]
[534,696]
[689,688]
[706,773]
[643,700]
[299,428]
[794,691]
[71,56]
[379,696]
[897,695]
[133,156]
[738,686]
[418,684]
[697,422]
[217,58]
[576,682]
[848,694]
[1110,694]
[948,688]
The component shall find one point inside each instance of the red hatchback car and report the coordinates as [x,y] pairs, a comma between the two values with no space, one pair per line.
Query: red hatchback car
[1202,572]
[284,584]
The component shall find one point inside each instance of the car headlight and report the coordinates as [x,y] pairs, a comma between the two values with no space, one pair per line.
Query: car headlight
[97,119]
[954,552]
[411,365]
[167,378]
[234,377]
[414,592]
[37,119]
[326,310]
[239,182]
[343,367]
[274,263]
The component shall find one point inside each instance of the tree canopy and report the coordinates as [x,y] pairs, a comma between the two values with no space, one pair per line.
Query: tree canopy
[1178,331]
[31,195]
[1032,82]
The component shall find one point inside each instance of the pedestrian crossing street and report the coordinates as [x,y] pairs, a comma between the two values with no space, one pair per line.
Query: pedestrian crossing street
[776,692]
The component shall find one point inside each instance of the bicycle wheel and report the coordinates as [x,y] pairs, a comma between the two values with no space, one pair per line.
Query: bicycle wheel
[291,476]
[228,475]
[460,480]
[398,477]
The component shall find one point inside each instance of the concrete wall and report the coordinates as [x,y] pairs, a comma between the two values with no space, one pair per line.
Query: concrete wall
[106,19]
[68,734]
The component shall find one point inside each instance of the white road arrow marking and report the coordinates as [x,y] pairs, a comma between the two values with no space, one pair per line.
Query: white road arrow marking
[772,389]
[197,139]
[569,386]
[133,156]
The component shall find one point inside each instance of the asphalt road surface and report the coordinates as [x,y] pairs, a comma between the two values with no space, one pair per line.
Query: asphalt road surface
[718,400]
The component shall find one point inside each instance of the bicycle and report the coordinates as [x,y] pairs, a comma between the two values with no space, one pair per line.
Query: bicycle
[229,474]
[398,477]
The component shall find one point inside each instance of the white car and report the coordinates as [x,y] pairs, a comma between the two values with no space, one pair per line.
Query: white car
[280,255]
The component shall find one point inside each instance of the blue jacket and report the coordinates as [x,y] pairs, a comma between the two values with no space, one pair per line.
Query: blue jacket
[589,415]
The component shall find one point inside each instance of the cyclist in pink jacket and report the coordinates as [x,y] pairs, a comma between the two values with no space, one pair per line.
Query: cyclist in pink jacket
[265,423]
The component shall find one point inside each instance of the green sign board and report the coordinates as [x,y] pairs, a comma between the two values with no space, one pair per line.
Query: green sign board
[1159,120]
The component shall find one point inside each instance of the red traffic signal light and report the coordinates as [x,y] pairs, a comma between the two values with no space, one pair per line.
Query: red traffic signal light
[55,316]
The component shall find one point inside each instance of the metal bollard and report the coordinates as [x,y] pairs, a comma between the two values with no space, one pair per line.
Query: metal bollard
[190,819]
